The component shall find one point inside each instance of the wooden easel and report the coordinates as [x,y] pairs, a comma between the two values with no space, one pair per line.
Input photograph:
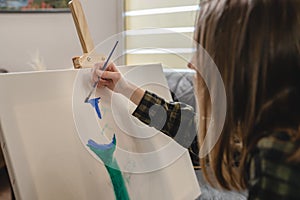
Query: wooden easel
[89,57]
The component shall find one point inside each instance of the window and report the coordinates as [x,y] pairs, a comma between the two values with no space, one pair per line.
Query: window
[160,31]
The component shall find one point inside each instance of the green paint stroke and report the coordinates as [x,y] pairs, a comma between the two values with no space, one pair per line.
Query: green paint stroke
[105,153]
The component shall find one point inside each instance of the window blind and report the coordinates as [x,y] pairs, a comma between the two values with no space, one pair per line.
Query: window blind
[160,31]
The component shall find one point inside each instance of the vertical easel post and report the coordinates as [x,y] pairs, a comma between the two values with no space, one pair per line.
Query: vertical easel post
[87,59]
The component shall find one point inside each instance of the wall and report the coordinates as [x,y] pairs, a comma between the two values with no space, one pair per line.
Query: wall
[52,37]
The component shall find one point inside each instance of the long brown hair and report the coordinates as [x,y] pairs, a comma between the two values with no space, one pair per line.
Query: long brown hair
[256,46]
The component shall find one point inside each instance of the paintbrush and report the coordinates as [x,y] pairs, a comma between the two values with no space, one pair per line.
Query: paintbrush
[103,68]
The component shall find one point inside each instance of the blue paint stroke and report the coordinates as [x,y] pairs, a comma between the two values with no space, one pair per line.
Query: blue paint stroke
[95,103]
[105,153]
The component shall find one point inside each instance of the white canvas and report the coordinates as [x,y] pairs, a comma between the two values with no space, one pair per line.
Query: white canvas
[46,125]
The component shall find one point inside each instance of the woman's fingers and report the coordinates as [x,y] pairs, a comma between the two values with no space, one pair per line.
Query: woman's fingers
[109,77]
[112,67]
[114,76]
[103,82]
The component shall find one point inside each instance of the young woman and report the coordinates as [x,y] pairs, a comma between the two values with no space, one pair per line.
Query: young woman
[256,46]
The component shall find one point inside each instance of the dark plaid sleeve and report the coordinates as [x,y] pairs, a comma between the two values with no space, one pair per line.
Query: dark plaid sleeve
[271,176]
[175,119]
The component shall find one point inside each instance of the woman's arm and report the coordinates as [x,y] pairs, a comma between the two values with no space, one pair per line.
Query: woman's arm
[174,119]
[170,118]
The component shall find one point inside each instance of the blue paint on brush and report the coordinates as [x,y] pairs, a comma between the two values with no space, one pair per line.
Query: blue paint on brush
[105,153]
[95,103]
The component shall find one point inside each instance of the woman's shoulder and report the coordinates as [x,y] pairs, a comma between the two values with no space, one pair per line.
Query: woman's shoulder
[272,172]
[278,143]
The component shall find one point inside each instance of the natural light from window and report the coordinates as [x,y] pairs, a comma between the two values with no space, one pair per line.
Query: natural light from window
[160,31]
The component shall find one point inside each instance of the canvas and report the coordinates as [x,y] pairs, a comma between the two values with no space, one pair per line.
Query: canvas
[46,128]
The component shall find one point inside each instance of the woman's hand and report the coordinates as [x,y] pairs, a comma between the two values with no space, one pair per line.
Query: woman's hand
[115,81]
[108,78]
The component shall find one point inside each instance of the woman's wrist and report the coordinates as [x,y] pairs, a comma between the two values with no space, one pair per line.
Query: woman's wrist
[132,92]
[137,96]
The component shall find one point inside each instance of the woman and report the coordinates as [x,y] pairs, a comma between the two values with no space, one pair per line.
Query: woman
[256,46]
